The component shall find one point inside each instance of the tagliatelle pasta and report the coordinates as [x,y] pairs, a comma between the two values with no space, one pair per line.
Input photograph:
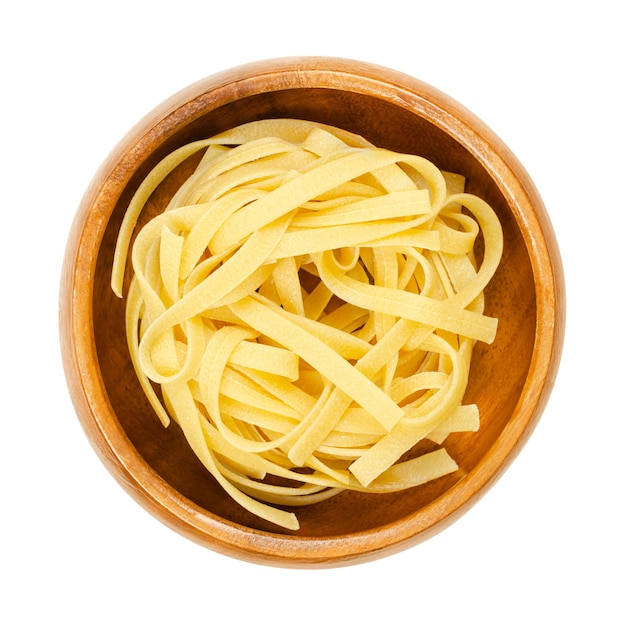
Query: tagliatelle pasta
[305,309]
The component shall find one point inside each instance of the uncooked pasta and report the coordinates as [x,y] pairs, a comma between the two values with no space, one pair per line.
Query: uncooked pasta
[305,309]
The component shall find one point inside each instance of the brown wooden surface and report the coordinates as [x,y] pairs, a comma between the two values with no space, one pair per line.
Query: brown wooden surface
[510,380]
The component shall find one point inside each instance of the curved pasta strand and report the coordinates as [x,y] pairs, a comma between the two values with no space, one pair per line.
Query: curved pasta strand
[218,284]
[145,190]
[427,311]
[321,357]
[184,406]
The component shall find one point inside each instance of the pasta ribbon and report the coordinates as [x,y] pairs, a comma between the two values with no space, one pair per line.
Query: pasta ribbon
[307,304]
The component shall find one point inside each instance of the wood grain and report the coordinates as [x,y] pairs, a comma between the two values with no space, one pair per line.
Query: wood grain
[510,380]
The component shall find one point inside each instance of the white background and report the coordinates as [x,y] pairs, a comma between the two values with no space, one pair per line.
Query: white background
[546,544]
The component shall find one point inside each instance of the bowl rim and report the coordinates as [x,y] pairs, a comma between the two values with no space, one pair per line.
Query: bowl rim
[78,347]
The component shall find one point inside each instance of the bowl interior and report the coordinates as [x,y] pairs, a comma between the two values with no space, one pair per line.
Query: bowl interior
[510,297]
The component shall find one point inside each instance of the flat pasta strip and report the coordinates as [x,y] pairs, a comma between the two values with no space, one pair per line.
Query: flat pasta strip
[307,304]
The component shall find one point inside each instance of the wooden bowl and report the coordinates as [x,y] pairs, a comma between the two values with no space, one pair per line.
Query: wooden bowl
[510,379]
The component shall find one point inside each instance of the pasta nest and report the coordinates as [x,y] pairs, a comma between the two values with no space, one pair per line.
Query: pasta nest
[305,309]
